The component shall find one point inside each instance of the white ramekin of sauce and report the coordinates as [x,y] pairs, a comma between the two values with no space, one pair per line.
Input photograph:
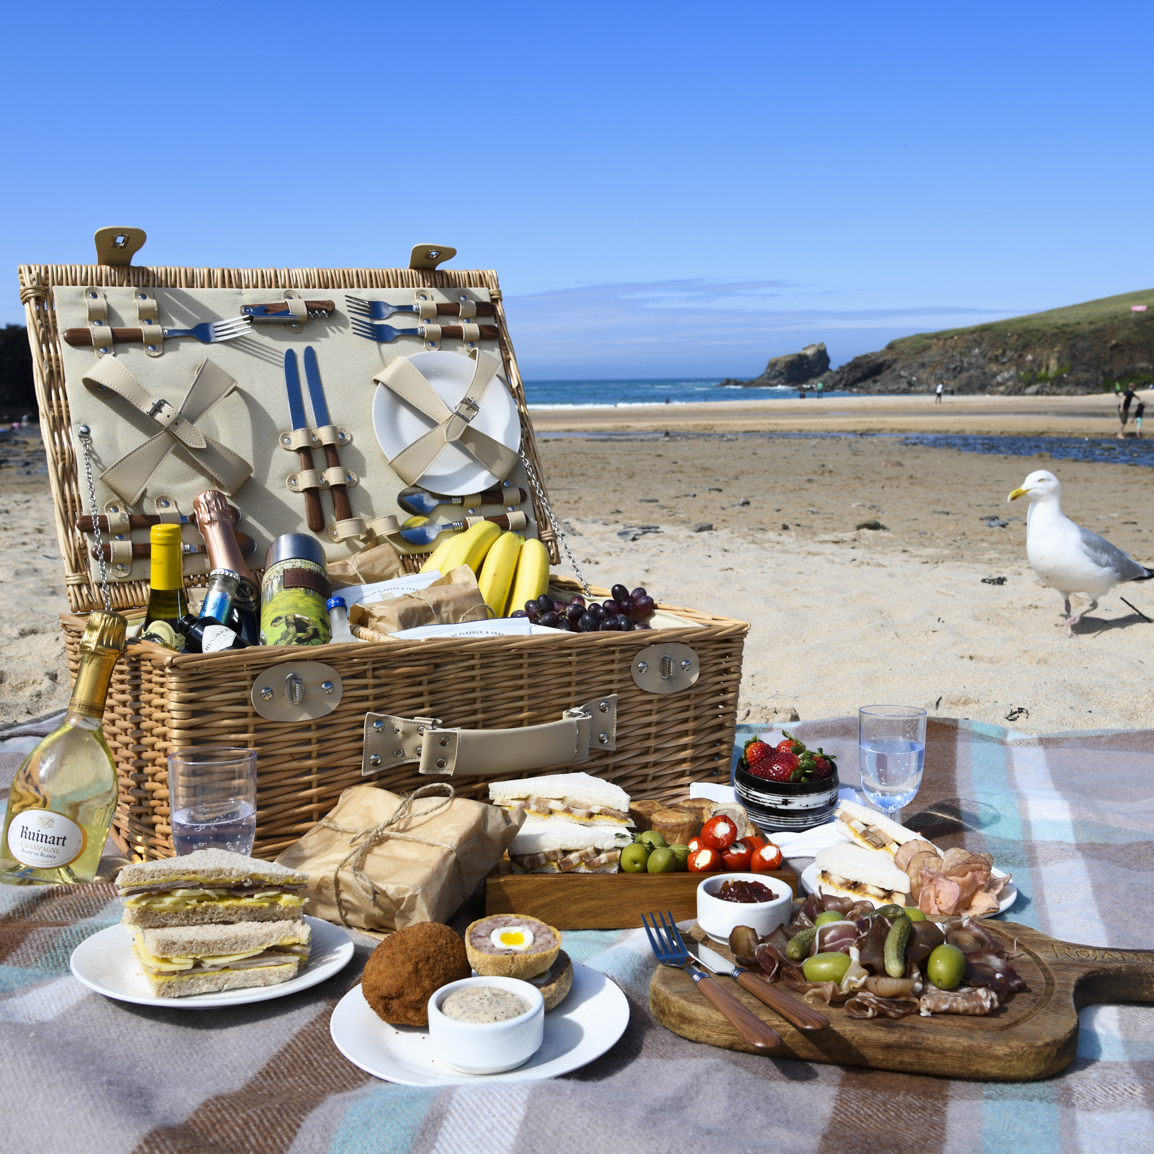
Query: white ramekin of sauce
[484,1045]
[717,917]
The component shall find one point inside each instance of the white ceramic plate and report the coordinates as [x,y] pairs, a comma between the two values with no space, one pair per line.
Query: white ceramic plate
[586,1024]
[455,472]
[105,963]
[1009,893]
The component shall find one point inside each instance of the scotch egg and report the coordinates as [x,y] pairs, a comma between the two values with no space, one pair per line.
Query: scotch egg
[512,937]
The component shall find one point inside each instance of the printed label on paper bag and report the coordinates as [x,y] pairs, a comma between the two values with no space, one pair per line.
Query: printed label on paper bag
[45,840]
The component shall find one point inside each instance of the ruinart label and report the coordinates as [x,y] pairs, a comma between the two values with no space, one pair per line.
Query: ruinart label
[45,840]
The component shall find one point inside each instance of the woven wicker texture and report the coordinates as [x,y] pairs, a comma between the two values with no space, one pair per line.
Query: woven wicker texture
[161,701]
[36,285]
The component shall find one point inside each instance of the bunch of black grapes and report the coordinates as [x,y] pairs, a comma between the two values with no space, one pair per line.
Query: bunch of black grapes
[623,612]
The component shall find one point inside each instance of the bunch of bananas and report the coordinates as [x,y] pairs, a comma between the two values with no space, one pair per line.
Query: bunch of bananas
[509,569]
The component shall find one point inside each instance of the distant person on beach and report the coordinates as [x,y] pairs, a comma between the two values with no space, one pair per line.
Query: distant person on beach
[938,393]
[1139,409]
[1124,402]
[667,400]
[820,389]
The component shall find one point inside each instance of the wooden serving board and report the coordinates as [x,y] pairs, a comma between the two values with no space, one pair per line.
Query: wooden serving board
[599,901]
[1034,1034]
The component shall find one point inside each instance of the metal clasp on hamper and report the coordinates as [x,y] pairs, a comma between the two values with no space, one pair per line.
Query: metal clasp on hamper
[667,668]
[297,691]
[581,732]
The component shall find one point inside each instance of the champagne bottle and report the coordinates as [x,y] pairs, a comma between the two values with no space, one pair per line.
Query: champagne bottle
[64,794]
[219,596]
[207,635]
[167,601]
[214,519]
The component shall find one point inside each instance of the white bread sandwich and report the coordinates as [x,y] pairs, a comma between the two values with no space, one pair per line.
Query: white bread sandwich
[850,871]
[188,960]
[574,798]
[871,829]
[210,886]
[552,847]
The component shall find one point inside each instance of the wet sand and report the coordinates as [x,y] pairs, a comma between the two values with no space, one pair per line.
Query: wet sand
[840,616]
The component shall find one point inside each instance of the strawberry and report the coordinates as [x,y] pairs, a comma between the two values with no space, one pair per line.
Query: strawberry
[790,745]
[780,767]
[816,766]
[756,752]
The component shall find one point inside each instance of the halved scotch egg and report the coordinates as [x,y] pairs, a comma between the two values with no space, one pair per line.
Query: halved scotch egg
[511,946]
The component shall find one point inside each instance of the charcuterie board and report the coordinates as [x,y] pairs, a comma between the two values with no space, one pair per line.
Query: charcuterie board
[1033,1035]
[599,901]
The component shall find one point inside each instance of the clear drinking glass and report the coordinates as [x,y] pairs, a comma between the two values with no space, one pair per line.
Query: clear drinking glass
[212,794]
[891,751]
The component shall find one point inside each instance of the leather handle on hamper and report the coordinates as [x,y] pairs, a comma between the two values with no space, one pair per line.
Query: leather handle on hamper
[446,752]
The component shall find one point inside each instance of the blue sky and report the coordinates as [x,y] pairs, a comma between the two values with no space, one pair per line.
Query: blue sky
[665,189]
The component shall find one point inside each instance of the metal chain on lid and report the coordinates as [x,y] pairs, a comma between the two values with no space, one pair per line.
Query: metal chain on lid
[84,436]
[537,488]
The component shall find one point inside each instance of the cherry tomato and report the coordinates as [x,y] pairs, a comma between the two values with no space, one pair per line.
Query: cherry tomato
[736,857]
[695,843]
[755,842]
[704,861]
[766,859]
[719,832]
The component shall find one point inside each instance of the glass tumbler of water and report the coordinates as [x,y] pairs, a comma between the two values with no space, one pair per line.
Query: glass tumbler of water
[212,794]
[891,750]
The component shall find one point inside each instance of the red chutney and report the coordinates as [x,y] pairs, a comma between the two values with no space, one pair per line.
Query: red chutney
[744,891]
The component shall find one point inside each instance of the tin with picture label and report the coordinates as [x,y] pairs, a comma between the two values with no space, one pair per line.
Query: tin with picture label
[293,593]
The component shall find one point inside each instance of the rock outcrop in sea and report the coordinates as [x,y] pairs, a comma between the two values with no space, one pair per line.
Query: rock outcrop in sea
[791,369]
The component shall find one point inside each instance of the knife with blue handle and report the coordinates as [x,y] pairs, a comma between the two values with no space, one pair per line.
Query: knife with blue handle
[795,1012]
[341,507]
[314,514]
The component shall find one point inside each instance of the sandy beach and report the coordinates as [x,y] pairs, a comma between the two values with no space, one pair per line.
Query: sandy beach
[840,616]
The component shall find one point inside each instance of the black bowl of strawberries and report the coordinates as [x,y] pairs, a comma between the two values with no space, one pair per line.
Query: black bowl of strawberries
[787,786]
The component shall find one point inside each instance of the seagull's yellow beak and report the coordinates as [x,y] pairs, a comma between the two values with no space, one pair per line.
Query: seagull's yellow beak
[1016,494]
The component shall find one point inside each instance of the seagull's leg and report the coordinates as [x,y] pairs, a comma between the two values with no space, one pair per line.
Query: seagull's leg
[1070,622]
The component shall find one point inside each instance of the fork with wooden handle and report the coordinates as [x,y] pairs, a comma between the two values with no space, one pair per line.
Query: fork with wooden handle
[207,332]
[669,949]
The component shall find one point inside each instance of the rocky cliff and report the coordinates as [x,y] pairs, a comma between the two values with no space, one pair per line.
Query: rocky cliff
[1079,349]
[792,369]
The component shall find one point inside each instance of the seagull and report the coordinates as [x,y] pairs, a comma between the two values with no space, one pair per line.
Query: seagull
[1067,557]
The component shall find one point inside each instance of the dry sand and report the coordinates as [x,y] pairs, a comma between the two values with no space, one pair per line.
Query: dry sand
[840,617]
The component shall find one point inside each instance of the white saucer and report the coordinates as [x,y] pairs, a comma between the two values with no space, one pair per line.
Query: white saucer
[105,963]
[586,1024]
[455,472]
[1008,896]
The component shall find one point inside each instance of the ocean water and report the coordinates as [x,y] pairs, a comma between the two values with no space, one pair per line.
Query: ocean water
[622,393]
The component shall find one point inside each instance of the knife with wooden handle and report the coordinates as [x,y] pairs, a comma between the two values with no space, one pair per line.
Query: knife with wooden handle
[246,543]
[341,508]
[140,521]
[314,514]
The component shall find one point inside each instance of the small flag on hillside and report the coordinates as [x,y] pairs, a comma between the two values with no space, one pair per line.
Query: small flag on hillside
[1137,308]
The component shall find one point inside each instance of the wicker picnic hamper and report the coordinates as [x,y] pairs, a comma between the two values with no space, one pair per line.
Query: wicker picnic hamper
[160,701]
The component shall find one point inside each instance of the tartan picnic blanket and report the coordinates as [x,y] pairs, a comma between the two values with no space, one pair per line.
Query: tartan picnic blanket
[1071,816]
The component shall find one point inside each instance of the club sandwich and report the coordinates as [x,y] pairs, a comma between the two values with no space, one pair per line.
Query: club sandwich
[208,959]
[556,847]
[851,871]
[574,798]
[210,886]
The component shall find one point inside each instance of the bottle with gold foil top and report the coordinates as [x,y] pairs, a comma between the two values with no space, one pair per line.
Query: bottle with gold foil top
[64,795]
[167,600]
[214,520]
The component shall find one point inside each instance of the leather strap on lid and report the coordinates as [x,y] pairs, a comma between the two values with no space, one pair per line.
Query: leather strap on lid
[97,304]
[426,308]
[334,435]
[295,304]
[166,509]
[148,316]
[117,514]
[306,579]
[296,439]
[129,476]
[431,335]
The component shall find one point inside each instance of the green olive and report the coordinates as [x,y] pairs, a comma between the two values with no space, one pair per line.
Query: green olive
[946,966]
[634,858]
[914,914]
[681,852]
[825,967]
[827,917]
[653,839]
[662,861]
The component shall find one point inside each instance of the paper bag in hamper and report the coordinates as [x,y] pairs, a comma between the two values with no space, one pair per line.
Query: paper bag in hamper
[380,862]
[450,599]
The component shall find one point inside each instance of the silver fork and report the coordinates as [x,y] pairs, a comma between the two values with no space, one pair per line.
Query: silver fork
[382,334]
[378,310]
[669,949]
[208,332]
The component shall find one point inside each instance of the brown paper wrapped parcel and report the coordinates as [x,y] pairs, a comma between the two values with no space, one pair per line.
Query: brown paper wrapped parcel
[450,599]
[380,862]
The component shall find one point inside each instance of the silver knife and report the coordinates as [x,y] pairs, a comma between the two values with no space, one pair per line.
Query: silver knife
[341,507]
[314,514]
[795,1012]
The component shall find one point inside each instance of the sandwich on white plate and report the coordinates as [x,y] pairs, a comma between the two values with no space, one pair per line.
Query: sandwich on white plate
[184,960]
[210,886]
[873,830]
[850,870]
[574,798]
[549,847]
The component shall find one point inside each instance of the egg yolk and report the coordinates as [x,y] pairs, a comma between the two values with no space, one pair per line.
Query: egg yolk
[512,938]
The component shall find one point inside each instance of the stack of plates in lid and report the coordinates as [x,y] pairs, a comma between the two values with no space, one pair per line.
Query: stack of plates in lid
[786,805]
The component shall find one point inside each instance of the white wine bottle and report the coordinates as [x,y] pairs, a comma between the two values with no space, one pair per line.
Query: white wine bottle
[64,795]
[167,600]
